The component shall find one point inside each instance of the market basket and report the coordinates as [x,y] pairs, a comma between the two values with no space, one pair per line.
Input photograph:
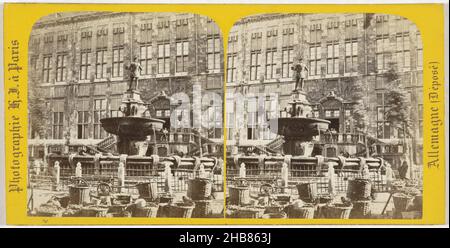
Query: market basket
[304,212]
[402,201]
[118,208]
[398,184]
[249,213]
[94,211]
[180,210]
[319,205]
[359,189]
[166,198]
[148,190]
[149,211]
[63,201]
[337,211]
[361,209]
[307,191]
[411,183]
[199,188]
[280,215]
[276,208]
[203,208]
[115,215]
[49,210]
[412,191]
[72,211]
[162,210]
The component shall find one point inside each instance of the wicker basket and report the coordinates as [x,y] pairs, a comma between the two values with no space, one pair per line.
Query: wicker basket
[199,188]
[319,205]
[47,210]
[359,189]
[276,208]
[180,210]
[398,184]
[202,209]
[119,208]
[281,215]
[412,191]
[148,190]
[149,211]
[249,213]
[361,209]
[307,191]
[337,211]
[71,212]
[239,195]
[94,211]
[163,209]
[304,212]
[402,201]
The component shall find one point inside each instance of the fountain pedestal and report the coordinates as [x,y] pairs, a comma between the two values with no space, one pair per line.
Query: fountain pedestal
[299,127]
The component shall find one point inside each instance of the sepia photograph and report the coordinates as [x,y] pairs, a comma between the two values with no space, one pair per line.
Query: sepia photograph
[125,116]
[324,117]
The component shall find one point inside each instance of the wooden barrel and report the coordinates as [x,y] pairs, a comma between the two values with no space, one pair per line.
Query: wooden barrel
[239,195]
[148,190]
[79,195]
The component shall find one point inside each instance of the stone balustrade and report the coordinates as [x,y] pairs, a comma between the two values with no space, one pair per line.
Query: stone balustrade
[269,168]
[135,168]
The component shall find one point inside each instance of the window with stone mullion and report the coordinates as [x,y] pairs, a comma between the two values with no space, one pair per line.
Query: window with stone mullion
[117,62]
[145,58]
[61,67]
[270,63]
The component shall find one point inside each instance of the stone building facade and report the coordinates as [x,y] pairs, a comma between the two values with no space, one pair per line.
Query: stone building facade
[77,70]
[340,50]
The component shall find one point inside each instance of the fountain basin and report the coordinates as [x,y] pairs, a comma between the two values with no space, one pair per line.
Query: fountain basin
[134,128]
[298,126]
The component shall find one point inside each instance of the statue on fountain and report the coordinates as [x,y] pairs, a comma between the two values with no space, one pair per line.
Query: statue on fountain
[300,73]
[135,71]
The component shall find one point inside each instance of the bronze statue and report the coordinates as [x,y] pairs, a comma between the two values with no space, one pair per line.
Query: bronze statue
[135,71]
[300,74]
